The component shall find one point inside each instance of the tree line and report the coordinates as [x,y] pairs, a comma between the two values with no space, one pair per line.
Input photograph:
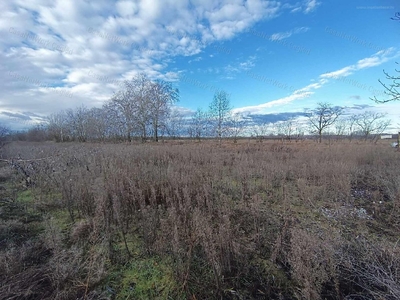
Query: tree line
[146,109]
[99,124]
[141,108]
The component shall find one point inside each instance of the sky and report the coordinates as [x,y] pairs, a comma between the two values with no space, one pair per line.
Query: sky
[274,58]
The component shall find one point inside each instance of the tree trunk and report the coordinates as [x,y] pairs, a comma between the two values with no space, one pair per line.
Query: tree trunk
[398,141]
[155,131]
[144,134]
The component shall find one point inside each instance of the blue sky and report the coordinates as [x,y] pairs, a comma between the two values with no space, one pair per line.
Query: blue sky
[272,57]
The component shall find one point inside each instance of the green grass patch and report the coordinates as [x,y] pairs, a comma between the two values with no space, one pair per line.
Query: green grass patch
[62,219]
[277,276]
[146,278]
[25,197]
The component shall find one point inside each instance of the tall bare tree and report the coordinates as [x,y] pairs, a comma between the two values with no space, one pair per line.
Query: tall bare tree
[162,96]
[121,110]
[97,124]
[346,126]
[78,122]
[129,110]
[220,108]
[370,123]
[322,117]
[58,126]
[140,87]
[140,107]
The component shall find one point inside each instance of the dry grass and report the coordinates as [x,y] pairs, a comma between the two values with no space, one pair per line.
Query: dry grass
[242,220]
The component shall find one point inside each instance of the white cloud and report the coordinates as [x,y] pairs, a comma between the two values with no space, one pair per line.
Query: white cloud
[85,48]
[126,8]
[265,107]
[306,6]
[346,71]
[375,60]
[231,19]
[248,63]
[296,9]
[199,58]
[231,70]
[284,35]
[59,42]
[311,5]
[280,36]
[305,92]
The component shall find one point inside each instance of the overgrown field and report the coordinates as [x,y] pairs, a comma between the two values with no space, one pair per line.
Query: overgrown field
[186,220]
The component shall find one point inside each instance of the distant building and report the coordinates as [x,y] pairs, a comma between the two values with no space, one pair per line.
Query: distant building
[386,136]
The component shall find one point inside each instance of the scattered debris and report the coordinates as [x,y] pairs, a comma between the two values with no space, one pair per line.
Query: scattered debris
[345,212]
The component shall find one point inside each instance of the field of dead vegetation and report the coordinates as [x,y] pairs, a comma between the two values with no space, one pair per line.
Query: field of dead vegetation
[200,220]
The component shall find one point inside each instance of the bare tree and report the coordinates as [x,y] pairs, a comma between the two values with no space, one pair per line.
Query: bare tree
[140,107]
[286,128]
[237,123]
[219,113]
[346,126]
[140,87]
[130,109]
[114,121]
[198,124]
[341,126]
[121,110]
[351,126]
[97,124]
[174,123]
[396,16]
[162,96]
[4,133]
[370,123]
[299,130]
[260,131]
[322,117]
[58,126]
[37,133]
[78,122]
[391,90]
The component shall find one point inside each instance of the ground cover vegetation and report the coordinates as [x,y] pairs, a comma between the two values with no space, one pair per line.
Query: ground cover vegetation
[200,220]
